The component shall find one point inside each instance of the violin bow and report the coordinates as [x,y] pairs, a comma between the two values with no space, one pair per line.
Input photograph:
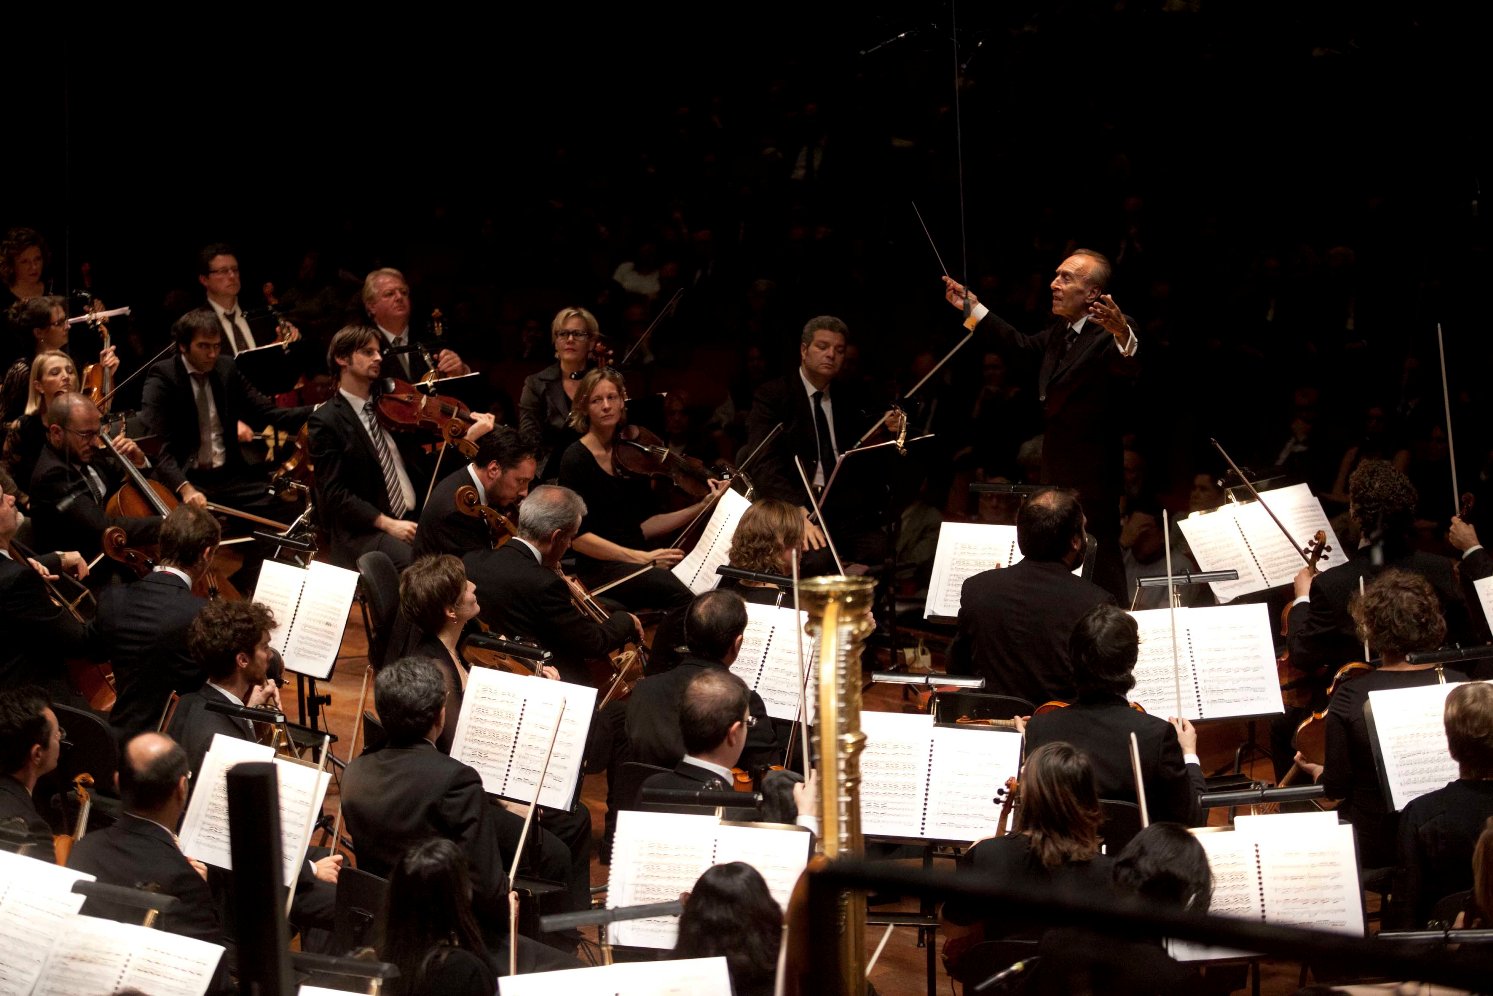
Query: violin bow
[1140,785]
[523,836]
[1446,399]
[818,513]
[667,308]
[104,401]
[1171,605]
[352,752]
[1273,518]
[803,677]
[740,472]
[312,813]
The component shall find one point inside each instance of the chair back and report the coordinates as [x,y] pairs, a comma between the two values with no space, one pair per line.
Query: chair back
[983,961]
[89,746]
[358,919]
[374,734]
[630,778]
[381,603]
[1121,824]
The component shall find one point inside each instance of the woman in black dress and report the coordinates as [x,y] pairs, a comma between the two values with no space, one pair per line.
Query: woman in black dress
[544,407]
[429,929]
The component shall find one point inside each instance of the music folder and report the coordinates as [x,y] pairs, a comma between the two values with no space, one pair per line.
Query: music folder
[268,368]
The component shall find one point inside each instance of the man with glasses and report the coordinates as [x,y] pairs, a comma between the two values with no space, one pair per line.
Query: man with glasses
[386,296]
[30,742]
[74,477]
[714,720]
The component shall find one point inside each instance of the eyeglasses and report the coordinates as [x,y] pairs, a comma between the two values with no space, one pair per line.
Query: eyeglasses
[225,271]
[60,323]
[572,334]
[749,721]
[84,433]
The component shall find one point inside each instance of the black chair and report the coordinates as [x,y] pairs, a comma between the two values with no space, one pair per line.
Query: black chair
[90,746]
[947,707]
[358,920]
[985,960]
[381,604]
[630,778]
[374,734]
[1121,824]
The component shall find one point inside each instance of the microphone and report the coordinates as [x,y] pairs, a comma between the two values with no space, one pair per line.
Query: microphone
[244,712]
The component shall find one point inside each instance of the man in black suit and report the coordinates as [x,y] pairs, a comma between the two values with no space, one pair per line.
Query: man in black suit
[822,420]
[714,624]
[501,471]
[30,741]
[1476,564]
[408,792]
[715,720]
[1014,622]
[369,482]
[1087,367]
[523,595]
[195,402]
[40,634]
[386,298]
[74,478]
[141,627]
[1099,722]
[141,852]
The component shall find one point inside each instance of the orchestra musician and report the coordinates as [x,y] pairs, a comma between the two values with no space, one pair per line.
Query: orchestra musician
[369,482]
[620,522]
[430,932]
[548,396]
[40,632]
[42,324]
[74,478]
[1476,564]
[218,273]
[501,470]
[1087,355]
[767,536]
[52,374]
[1103,649]
[1015,621]
[523,596]
[715,720]
[30,742]
[1399,614]
[141,628]
[386,297]
[730,913]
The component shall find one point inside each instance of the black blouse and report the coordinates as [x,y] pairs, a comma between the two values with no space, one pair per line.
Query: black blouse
[615,505]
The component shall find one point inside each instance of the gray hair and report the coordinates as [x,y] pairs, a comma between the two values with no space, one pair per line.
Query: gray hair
[547,508]
[370,283]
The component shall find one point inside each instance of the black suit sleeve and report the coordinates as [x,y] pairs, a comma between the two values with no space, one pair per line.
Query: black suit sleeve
[466,815]
[1177,784]
[329,455]
[572,634]
[1005,335]
[155,401]
[252,406]
[774,474]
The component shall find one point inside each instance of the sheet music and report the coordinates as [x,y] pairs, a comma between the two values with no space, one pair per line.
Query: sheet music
[312,645]
[204,830]
[894,772]
[1215,542]
[664,854]
[36,899]
[1227,662]
[1409,740]
[279,587]
[301,793]
[768,660]
[685,977]
[1255,546]
[969,767]
[1484,588]
[94,956]
[713,548]
[964,550]
[504,731]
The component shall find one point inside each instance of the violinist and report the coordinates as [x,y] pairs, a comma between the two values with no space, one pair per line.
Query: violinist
[501,471]
[74,477]
[1475,565]
[40,633]
[42,324]
[386,297]
[545,405]
[766,538]
[523,595]
[142,627]
[1104,648]
[218,273]
[30,742]
[52,373]
[613,539]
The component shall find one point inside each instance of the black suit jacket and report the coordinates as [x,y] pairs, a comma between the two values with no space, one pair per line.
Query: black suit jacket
[653,719]
[1014,624]
[1100,726]
[139,854]
[691,777]
[39,634]
[142,628]
[399,796]
[16,804]
[349,479]
[65,513]
[444,528]
[1474,567]
[193,725]
[543,408]
[520,597]
[168,408]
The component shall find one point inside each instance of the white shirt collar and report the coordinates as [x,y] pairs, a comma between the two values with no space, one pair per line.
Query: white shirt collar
[809,387]
[221,311]
[1078,325]
[715,769]
[227,694]
[163,569]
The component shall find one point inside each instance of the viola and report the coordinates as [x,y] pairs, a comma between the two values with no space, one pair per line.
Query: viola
[627,664]
[1310,737]
[296,470]
[1008,796]
[638,451]
[499,526]
[404,408]
[1296,684]
[63,843]
[97,383]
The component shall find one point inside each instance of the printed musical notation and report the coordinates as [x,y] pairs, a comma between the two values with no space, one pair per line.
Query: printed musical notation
[1408,738]
[1242,536]
[768,660]
[1226,656]
[36,899]
[310,607]
[964,550]
[697,569]
[101,956]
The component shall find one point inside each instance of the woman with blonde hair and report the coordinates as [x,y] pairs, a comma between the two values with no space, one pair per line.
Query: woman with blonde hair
[544,407]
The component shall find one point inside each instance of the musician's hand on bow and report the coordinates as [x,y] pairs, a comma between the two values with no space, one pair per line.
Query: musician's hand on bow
[1020,722]
[958,295]
[1315,770]
[637,626]
[1109,316]
[128,449]
[813,535]
[716,485]
[401,529]
[192,496]
[1187,734]
[806,794]
[265,696]
[40,568]
[448,364]
[288,333]
[895,420]
[482,424]
[327,868]
[245,434]
[74,564]
[1303,581]
[549,671]
[662,557]
[109,360]
[1461,535]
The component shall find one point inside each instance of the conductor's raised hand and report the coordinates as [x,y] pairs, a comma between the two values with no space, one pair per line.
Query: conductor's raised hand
[957,294]
[1110,317]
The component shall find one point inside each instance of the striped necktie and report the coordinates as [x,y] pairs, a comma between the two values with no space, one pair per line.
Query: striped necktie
[397,507]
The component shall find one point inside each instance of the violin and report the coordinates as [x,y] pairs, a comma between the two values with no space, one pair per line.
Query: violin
[499,526]
[97,382]
[63,843]
[1052,704]
[94,680]
[297,470]
[1310,737]
[402,407]
[1008,796]
[285,332]
[212,585]
[627,664]
[639,452]
[438,332]
[1296,684]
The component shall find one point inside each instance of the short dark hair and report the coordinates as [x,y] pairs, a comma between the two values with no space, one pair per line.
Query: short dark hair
[23,725]
[502,445]
[1469,728]
[150,787]
[712,623]
[428,586]
[1165,862]
[409,695]
[823,323]
[713,701]
[348,340]
[1047,523]
[35,313]
[1399,613]
[224,629]
[208,253]
[1382,500]
[188,532]
[195,324]
[1103,648]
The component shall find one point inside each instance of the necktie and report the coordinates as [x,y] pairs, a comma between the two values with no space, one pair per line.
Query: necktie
[95,484]
[239,342]
[822,437]
[397,506]
[1069,338]
[200,389]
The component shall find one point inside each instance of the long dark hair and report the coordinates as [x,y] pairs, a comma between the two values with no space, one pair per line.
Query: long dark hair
[1060,805]
[731,913]
[429,912]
